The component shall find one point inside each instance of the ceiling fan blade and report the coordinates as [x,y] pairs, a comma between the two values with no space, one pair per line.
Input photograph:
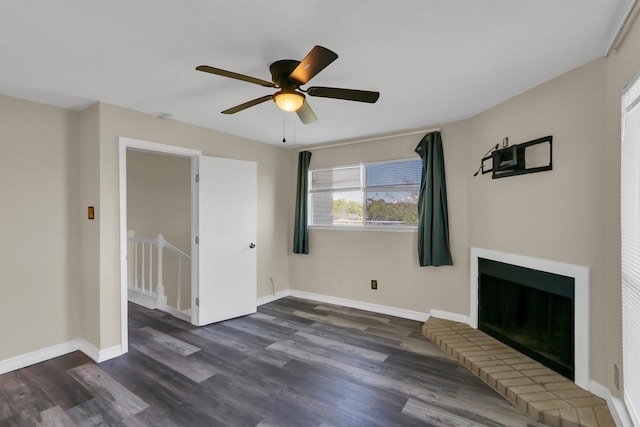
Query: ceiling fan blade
[247,104]
[237,76]
[315,61]
[348,94]
[306,114]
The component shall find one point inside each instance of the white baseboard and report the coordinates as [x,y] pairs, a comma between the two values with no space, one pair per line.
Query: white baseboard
[28,359]
[455,317]
[175,313]
[24,360]
[89,349]
[270,298]
[142,298]
[109,353]
[99,355]
[376,308]
[616,405]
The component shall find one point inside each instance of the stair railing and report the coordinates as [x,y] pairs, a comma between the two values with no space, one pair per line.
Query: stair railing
[182,257]
[144,250]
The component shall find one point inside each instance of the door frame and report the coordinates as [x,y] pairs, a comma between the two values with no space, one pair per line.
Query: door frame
[125,143]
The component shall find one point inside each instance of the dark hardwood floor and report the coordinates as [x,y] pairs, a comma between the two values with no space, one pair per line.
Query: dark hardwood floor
[294,363]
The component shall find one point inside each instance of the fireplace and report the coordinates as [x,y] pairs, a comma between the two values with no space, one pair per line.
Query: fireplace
[538,307]
[530,310]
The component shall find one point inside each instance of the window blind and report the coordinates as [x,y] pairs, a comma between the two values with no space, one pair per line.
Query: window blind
[382,194]
[336,179]
[630,251]
[396,174]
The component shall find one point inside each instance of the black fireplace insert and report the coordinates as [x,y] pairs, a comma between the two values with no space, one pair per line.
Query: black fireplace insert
[529,310]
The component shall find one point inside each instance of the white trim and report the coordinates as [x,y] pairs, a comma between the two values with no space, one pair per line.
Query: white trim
[619,412]
[124,242]
[195,248]
[28,359]
[398,228]
[99,355]
[616,405]
[109,353]
[363,189]
[451,316]
[175,313]
[581,300]
[376,308]
[154,147]
[125,143]
[146,300]
[271,298]
[375,138]
[44,354]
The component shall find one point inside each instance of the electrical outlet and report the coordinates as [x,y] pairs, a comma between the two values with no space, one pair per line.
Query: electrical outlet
[374,284]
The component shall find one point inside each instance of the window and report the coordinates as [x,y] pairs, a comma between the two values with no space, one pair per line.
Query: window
[630,239]
[368,194]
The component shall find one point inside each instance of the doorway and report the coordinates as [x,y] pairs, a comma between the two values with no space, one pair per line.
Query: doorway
[126,144]
[159,231]
[223,233]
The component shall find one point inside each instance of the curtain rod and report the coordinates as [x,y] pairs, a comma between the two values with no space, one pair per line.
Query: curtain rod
[377,138]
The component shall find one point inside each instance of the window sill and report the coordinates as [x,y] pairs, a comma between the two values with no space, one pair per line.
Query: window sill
[400,229]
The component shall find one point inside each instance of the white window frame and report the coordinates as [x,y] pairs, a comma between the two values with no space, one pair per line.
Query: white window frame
[630,251]
[362,188]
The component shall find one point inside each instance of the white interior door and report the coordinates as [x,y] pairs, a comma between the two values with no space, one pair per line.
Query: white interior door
[227,230]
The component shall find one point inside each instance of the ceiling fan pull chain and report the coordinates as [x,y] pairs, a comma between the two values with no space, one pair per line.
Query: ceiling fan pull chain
[284,140]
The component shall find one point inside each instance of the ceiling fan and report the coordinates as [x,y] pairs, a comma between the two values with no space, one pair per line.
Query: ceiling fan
[288,75]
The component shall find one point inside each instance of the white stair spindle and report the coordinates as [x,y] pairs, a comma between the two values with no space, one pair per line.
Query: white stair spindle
[150,267]
[135,265]
[160,287]
[142,270]
[179,282]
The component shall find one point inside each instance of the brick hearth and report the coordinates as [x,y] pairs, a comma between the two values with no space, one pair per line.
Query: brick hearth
[545,395]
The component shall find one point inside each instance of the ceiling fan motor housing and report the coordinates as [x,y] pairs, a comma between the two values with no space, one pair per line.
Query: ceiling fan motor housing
[280,72]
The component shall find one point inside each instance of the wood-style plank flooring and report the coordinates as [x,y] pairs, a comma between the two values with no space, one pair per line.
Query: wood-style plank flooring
[294,363]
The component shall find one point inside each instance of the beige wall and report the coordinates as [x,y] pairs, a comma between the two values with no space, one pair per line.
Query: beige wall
[89,194]
[159,202]
[342,263]
[53,164]
[558,214]
[275,190]
[39,235]
[570,214]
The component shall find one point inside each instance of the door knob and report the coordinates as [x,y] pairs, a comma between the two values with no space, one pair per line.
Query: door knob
[252,245]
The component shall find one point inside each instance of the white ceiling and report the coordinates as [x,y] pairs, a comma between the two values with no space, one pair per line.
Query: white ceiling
[433,61]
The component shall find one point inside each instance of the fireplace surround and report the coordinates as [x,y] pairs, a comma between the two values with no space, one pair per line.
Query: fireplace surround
[580,276]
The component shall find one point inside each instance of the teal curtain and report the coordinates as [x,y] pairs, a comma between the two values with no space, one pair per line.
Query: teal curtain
[433,214]
[301,230]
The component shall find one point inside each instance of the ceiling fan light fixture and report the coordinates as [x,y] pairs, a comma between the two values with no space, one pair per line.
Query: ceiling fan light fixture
[289,100]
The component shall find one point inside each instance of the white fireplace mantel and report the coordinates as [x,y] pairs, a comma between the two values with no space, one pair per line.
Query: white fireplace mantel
[579,273]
